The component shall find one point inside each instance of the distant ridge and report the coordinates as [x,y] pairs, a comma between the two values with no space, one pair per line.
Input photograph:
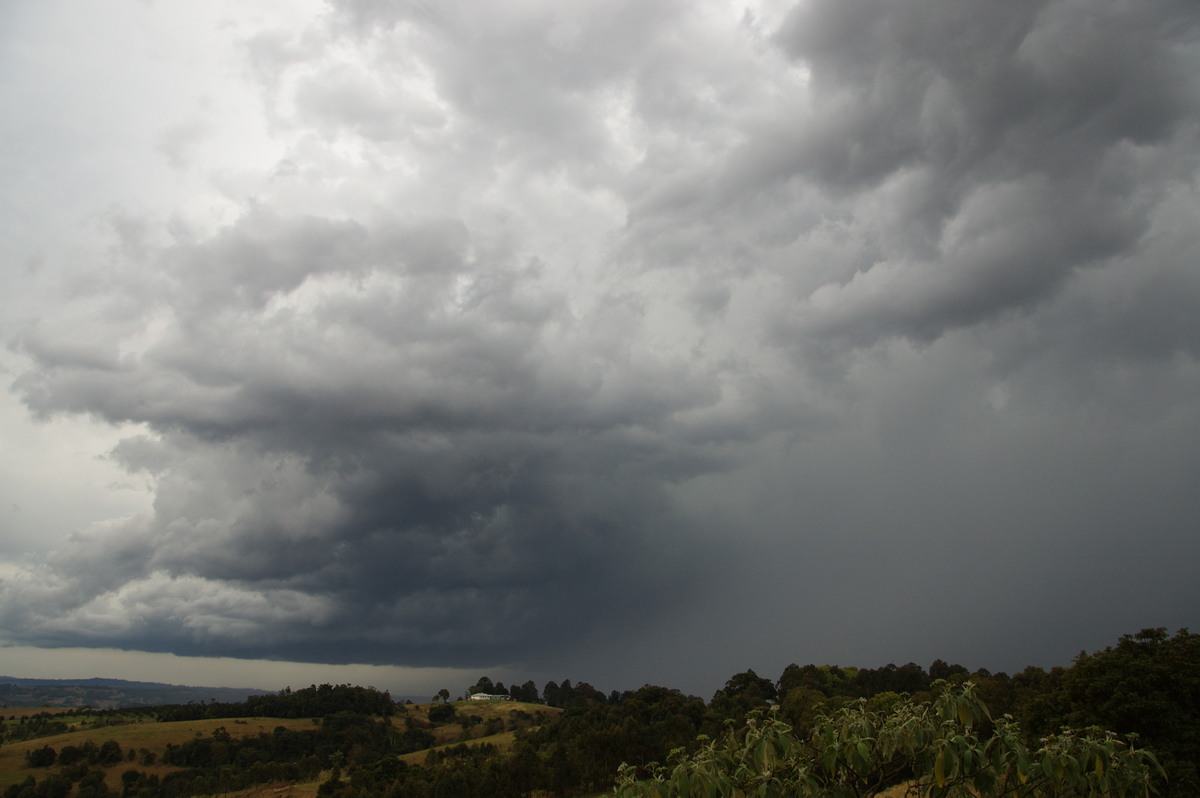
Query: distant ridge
[100,693]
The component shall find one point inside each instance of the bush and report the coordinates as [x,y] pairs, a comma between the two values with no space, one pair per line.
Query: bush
[41,757]
[441,713]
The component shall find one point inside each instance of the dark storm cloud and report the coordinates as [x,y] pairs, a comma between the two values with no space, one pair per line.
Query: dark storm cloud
[896,301]
[967,229]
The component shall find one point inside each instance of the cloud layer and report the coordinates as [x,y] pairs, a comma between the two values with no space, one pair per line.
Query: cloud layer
[550,325]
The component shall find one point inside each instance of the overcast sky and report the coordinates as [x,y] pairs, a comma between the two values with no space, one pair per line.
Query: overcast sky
[617,341]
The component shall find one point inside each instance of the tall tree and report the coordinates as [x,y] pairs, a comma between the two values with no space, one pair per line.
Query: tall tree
[742,693]
[484,685]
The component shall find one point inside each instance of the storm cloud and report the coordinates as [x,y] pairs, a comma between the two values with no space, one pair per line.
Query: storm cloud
[363,438]
[828,331]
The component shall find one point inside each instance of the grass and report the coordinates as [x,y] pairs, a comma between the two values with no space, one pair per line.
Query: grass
[503,742]
[484,709]
[452,732]
[300,790]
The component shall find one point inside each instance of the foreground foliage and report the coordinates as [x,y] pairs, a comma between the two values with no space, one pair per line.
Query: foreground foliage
[938,748]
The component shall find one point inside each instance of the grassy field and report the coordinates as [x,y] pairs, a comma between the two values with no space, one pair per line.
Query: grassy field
[305,790]
[134,736]
[138,734]
[488,712]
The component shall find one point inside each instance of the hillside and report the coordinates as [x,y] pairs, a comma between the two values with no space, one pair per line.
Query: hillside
[109,693]
[112,745]
[251,755]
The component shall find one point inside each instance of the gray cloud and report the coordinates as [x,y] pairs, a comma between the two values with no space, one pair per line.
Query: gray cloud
[981,155]
[568,333]
[1038,137]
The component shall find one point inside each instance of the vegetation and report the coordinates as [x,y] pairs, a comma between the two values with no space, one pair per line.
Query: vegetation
[933,748]
[817,730]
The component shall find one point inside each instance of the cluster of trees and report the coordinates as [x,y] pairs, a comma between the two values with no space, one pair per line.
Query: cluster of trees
[1148,684]
[314,701]
[319,701]
[90,784]
[43,724]
[588,744]
[81,765]
[744,689]
[526,692]
[552,695]
[107,753]
[461,770]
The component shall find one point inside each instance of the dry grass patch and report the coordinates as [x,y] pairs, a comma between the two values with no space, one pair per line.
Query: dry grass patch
[503,742]
[306,789]
[484,709]
[451,733]
[60,713]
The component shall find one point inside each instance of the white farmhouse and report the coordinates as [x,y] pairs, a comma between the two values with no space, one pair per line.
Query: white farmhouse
[488,697]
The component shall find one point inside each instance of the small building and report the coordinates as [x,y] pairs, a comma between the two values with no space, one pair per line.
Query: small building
[487,697]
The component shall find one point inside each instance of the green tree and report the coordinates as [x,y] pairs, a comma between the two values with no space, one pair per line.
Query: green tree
[1149,685]
[484,685]
[802,706]
[527,692]
[110,753]
[941,670]
[441,713]
[92,785]
[743,693]
[934,747]
[41,757]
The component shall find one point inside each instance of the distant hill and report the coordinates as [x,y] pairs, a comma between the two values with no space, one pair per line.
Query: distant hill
[110,693]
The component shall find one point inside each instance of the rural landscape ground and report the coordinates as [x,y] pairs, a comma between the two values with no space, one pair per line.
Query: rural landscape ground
[144,740]
[1116,720]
